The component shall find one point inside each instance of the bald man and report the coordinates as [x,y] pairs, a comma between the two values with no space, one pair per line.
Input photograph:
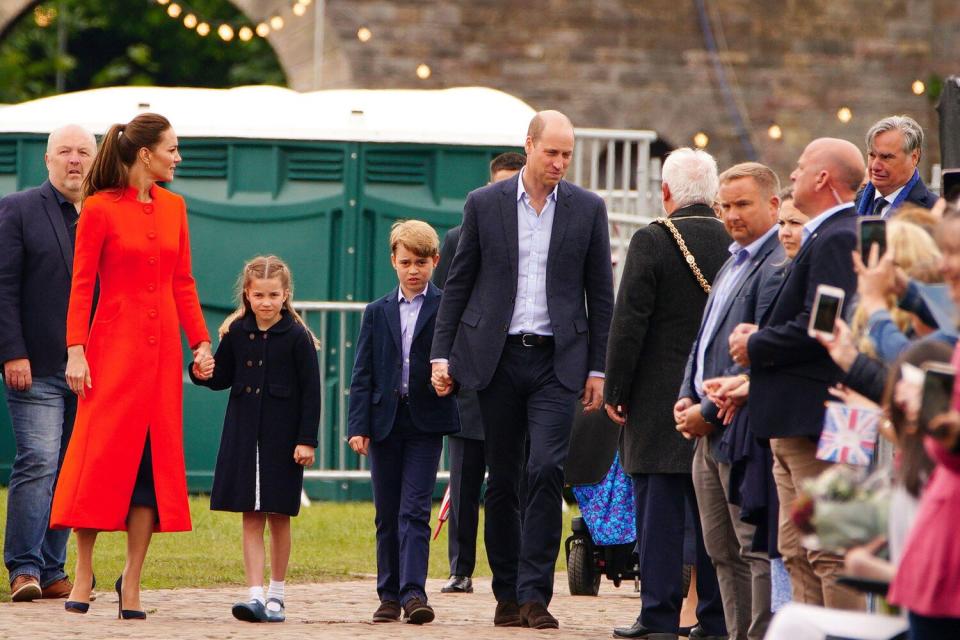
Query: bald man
[37,230]
[523,321]
[790,372]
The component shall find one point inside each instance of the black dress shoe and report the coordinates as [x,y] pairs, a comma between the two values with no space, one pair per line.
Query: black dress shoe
[640,631]
[458,584]
[699,633]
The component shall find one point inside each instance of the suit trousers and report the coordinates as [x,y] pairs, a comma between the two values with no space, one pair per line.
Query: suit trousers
[813,574]
[525,400]
[665,502]
[467,468]
[743,575]
[403,470]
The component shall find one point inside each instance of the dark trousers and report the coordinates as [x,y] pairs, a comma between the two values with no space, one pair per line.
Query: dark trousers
[666,504]
[403,470]
[467,468]
[927,628]
[525,400]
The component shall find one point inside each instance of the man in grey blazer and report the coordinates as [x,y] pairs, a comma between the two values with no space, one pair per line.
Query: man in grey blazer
[749,202]
[524,321]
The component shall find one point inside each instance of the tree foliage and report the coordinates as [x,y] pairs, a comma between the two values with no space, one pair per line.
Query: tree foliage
[127,42]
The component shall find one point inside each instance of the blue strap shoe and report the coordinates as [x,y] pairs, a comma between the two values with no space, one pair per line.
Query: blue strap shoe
[252,611]
[275,611]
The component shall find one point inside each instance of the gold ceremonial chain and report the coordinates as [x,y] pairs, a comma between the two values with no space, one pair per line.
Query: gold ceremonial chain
[691,261]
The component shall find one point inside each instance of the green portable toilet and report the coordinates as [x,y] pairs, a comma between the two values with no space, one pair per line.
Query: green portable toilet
[317,178]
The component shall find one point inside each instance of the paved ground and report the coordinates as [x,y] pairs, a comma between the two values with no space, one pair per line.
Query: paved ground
[331,610]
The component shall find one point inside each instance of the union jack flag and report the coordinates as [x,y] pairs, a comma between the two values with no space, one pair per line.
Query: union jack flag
[849,434]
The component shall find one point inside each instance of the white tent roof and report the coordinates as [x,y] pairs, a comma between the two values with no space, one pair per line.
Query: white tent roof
[464,116]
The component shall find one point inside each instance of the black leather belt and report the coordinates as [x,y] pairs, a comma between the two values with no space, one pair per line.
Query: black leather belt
[530,340]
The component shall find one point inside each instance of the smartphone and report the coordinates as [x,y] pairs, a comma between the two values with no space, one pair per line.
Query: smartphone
[938,379]
[873,231]
[826,310]
[950,184]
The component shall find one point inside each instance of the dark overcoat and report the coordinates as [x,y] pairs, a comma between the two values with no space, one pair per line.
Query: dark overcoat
[655,321]
[274,382]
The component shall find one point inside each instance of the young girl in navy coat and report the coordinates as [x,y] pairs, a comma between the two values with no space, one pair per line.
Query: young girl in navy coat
[268,359]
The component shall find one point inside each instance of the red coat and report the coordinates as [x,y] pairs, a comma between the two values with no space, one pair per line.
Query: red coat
[141,251]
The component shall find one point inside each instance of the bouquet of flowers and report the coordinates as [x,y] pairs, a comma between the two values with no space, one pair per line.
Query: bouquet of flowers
[842,508]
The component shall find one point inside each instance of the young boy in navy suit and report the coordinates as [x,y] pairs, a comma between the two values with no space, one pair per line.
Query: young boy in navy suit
[397,420]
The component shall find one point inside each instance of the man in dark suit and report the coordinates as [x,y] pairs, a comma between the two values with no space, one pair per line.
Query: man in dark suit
[397,419]
[37,232]
[894,145]
[750,205]
[790,372]
[658,312]
[524,321]
[465,449]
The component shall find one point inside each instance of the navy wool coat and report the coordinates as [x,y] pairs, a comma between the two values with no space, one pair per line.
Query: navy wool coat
[274,382]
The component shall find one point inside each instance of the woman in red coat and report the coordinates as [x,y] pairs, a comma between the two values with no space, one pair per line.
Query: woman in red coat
[124,467]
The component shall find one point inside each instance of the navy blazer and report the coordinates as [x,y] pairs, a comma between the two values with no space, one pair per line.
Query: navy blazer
[36,266]
[481,288]
[740,306]
[376,384]
[790,372]
[920,195]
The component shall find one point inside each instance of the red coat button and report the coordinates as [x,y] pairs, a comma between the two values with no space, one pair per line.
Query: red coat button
[151,287]
[151,235]
[152,260]
[148,208]
[152,313]
[152,340]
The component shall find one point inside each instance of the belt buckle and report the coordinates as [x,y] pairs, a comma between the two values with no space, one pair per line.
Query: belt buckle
[523,339]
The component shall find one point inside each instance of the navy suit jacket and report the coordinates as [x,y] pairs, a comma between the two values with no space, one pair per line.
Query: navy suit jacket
[36,266]
[920,195]
[790,372]
[376,384]
[740,306]
[481,288]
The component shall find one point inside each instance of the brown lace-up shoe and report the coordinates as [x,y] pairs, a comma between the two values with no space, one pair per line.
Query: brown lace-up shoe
[25,588]
[416,611]
[536,616]
[507,614]
[388,611]
[59,589]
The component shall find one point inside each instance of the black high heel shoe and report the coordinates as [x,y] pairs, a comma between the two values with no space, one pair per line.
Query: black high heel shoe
[126,614]
[73,606]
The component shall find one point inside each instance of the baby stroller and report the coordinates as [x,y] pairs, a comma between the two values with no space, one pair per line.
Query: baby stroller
[603,538]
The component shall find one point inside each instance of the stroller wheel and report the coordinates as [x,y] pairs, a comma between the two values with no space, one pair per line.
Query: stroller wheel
[582,577]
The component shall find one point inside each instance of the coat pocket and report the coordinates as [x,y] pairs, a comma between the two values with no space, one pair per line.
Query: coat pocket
[108,312]
[470,317]
[280,390]
[580,324]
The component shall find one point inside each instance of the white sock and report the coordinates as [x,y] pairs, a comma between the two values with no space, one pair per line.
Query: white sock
[256,593]
[276,590]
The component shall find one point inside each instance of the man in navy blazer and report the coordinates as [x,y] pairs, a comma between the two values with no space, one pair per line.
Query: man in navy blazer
[398,420]
[524,320]
[37,230]
[750,205]
[790,372]
[894,145]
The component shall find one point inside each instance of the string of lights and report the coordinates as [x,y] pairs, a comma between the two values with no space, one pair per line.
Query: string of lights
[226,29]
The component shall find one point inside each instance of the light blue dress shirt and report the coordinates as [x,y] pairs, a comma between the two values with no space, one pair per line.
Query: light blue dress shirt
[409,312]
[811,227]
[530,314]
[726,285]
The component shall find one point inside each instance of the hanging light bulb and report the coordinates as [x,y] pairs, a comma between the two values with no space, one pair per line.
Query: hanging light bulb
[844,115]
[364,34]
[701,140]
[174,10]
[775,132]
[245,33]
[225,32]
[276,23]
[163,2]
[190,21]
[423,71]
[263,29]
[203,29]
[918,87]
[299,9]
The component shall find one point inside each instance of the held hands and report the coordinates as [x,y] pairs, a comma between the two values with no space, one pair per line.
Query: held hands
[303,455]
[16,374]
[440,379]
[738,343]
[691,424]
[592,394]
[78,371]
[203,362]
[359,444]
[729,394]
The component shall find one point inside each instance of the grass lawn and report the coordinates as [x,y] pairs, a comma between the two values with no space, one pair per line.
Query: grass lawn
[331,541]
